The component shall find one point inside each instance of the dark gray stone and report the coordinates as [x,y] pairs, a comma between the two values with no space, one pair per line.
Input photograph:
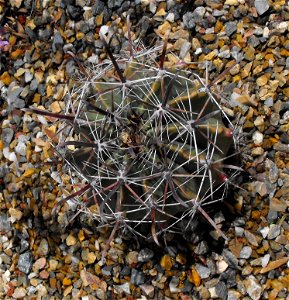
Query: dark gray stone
[58,42]
[188,20]
[253,41]
[25,262]
[106,270]
[7,136]
[137,277]
[230,259]
[230,28]
[5,225]
[222,290]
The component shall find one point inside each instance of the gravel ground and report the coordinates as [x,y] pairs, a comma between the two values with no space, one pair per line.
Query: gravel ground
[42,258]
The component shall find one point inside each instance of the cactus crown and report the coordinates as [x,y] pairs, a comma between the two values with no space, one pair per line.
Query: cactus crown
[149,141]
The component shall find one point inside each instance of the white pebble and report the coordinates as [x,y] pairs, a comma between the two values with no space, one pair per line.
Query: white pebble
[9,155]
[258,138]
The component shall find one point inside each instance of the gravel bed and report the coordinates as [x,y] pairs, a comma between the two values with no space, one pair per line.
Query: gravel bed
[60,258]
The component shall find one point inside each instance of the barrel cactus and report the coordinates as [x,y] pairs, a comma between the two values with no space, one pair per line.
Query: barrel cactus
[149,143]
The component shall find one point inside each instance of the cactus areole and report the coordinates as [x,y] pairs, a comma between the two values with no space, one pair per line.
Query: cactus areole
[148,141]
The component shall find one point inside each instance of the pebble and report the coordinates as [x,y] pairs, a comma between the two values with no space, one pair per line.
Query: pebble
[258,138]
[25,262]
[203,271]
[43,248]
[19,293]
[71,240]
[39,264]
[253,287]
[246,252]
[148,290]
[221,266]
[145,255]
[261,6]
[137,277]
[274,231]
[7,136]
[173,285]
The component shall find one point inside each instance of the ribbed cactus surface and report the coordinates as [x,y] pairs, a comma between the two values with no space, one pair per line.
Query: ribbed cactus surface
[149,141]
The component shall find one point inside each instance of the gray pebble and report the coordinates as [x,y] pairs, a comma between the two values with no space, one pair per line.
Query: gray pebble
[137,277]
[188,20]
[230,28]
[13,99]
[24,245]
[25,262]
[5,225]
[261,6]
[58,42]
[230,259]
[106,270]
[202,248]
[7,136]
[246,252]
[274,231]
[253,41]
[145,255]
[203,271]
[115,3]
[222,290]
[198,14]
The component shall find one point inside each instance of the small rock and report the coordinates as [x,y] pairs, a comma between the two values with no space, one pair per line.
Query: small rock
[261,6]
[230,28]
[91,257]
[188,20]
[5,223]
[137,277]
[43,248]
[145,255]
[230,258]
[148,290]
[265,260]
[221,266]
[58,42]
[222,290]
[202,248]
[274,231]
[7,136]
[25,262]
[39,264]
[253,287]
[251,238]
[246,252]
[19,293]
[106,270]
[123,288]
[71,240]
[132,257]
[15,214]
[173,285]
[203,271]
[258,138]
